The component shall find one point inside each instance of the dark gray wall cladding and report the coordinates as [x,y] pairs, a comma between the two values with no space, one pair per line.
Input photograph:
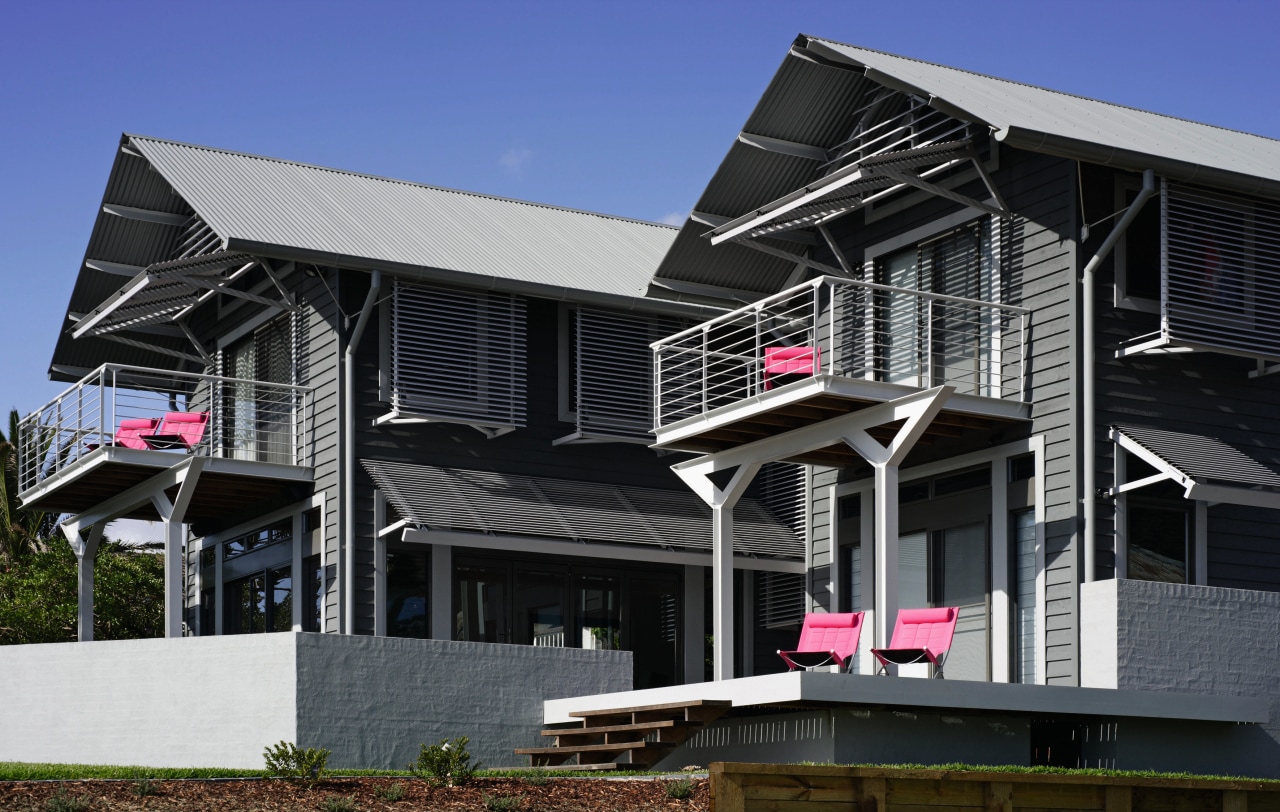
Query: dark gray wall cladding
[526,451]
[1039,274]
[1197,393]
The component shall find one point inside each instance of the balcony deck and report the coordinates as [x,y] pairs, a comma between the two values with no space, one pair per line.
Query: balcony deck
[833,346]
[75,453]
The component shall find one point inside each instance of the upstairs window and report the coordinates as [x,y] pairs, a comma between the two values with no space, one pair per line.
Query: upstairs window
[457,356]
[607,373]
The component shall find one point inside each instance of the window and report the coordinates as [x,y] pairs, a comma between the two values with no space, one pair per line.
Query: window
[277,533]
[1158,537]
[457,356]
[408,591]
[606,380]
[1137,253]
[259,603]
[255,421]
[1026,630]
[923,341]
[313,609]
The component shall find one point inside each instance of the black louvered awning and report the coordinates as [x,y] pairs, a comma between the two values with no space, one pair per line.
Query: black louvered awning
[506,504]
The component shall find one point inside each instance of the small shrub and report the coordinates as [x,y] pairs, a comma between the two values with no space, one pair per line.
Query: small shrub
[339,803]
[445,764]
[62,802]
[286,760]
[536,778]
[680,790]
[393,792]
[143,786]
[502,803]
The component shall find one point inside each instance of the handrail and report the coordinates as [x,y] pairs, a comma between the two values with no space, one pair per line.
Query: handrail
[834,280]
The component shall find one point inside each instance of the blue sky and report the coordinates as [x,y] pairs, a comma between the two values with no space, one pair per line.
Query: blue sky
[624,108]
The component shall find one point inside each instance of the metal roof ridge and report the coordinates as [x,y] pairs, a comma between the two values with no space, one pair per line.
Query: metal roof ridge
[1042,88]
[400,181]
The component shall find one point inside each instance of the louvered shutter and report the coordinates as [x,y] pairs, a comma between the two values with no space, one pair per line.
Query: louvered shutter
[458,356]
[612,375]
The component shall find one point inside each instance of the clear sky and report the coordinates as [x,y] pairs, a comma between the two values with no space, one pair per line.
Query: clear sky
[619,107]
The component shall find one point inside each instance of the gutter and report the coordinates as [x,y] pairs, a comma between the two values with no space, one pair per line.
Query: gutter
[1090,429]
[347,537]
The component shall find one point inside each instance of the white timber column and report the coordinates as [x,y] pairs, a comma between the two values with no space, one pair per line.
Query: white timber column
[441,592]
[721,500]
[1001,606]
[173,514]
[86,549]
[918,412]
[694,623]
[297,577]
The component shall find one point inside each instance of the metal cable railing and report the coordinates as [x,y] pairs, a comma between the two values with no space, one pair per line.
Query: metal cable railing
[140,408]
[844,328]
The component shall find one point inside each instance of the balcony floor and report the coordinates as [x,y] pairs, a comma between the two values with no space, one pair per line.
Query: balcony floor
[225,486]
[822,397]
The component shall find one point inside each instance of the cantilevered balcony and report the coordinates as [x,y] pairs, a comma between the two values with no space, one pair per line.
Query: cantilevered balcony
[831,346]
[119,428]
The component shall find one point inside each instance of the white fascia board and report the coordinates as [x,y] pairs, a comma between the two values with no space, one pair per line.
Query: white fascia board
[121,298]
[619,552]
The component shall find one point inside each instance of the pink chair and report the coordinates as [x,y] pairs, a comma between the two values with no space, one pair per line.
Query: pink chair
[826,639]
[179,430]
[790,361]
[132,431]
[920,635]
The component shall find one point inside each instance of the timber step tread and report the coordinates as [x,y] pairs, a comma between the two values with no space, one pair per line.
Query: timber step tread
[619,747]
[667,706]
[569,768]
[661,724]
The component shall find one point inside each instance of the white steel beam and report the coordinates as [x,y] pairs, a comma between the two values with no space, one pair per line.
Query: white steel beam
[114,268]
[163,218]
[778,145]
[86,550]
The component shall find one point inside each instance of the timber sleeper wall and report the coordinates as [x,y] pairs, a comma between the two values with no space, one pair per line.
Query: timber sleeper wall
[791,788]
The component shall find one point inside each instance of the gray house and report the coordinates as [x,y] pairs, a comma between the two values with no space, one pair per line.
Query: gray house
[928,338]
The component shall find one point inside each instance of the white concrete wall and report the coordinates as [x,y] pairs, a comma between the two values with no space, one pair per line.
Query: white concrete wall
[1098,630]
[374,700]
[212,701]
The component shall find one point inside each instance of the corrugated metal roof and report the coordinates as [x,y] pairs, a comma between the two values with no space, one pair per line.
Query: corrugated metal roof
[1204,459]
[1010,107]
[260,201]
[506,504]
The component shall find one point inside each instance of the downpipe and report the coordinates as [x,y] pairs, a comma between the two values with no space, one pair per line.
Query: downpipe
[1090,432]
[347,582]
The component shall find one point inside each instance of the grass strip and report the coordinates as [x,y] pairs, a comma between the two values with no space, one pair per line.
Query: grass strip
[31,771]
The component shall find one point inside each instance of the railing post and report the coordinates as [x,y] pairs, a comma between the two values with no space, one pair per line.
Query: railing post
[706,382]
[827,358]
[755,373]
[1022,359]
[928,344]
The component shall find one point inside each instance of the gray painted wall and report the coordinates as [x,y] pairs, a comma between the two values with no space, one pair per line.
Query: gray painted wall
[219,701]
[1202,640]
[374,700]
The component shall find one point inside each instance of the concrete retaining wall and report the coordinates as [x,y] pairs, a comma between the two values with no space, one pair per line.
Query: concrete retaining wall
[1190,639]
[219,701]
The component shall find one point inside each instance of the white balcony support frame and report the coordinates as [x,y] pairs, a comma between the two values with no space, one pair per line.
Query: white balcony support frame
[85,546]
[917,410]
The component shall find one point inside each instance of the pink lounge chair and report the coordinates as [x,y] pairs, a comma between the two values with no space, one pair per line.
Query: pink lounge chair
[920,635]
[790,361]
[131,433]
[179,430]
[826,639]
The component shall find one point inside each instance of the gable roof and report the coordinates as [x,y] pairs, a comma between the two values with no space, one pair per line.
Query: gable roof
[254,203]
[807,109]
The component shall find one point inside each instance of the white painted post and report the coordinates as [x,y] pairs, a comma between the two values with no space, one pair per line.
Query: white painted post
[722,589]
[694,624]
[1001,606]
[85,550]
[441,592]
[173,586]
[301,583]
[886,547]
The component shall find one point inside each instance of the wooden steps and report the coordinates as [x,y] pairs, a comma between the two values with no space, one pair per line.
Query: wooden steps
[642,734]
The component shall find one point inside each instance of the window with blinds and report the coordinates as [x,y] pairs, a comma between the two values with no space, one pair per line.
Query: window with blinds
[458,356]
[256,421]
[779,599]
[607,375]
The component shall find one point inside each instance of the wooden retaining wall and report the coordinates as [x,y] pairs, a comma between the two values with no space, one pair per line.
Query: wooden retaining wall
[790,788]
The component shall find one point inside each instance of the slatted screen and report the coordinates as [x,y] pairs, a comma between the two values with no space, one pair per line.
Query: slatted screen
[779,599]
[612,371]
[458,355]
[1222,270]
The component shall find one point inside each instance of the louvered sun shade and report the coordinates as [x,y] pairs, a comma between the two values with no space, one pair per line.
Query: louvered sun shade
[613,371]
[458,356]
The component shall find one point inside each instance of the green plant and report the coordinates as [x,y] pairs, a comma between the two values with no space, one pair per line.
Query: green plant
[501,803]
[62,802]
[680,790]
[339,803]
[392,792]
[535,778]
[445,764]
[144,786]
[286,760]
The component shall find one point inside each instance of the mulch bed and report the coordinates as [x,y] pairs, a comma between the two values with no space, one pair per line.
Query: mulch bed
[274,795]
